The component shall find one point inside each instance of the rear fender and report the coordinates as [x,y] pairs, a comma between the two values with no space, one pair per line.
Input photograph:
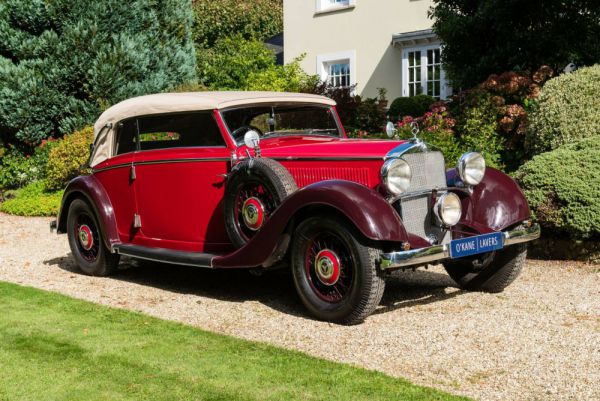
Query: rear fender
[90,189]
[372,215]
[494,205]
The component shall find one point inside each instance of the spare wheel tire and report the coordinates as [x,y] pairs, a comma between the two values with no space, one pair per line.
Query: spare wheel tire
[255,188]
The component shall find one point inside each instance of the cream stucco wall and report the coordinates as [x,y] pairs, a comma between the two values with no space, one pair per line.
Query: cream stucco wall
[366,28]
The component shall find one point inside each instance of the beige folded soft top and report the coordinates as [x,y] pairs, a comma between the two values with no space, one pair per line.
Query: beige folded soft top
[105,127]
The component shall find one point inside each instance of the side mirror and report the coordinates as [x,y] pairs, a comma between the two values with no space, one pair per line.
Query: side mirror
[390,129]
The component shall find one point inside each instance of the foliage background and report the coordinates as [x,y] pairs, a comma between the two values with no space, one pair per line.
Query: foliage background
[63,61]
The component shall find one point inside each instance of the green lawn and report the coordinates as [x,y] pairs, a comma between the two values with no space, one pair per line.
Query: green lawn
[53,347]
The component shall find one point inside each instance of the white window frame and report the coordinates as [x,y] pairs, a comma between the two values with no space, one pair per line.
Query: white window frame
[325,60]
[326,5]
[445,89]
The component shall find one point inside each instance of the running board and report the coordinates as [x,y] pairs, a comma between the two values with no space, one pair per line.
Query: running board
[195,259]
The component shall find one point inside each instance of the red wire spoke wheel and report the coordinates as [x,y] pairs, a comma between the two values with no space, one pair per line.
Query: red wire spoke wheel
[335,271]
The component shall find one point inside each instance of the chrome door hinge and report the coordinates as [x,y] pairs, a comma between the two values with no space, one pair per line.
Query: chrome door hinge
[137,221]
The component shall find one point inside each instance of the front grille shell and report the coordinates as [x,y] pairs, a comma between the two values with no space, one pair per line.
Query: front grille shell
[416,210]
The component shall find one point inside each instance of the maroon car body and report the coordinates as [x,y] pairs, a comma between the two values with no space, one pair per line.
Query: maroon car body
[198,203]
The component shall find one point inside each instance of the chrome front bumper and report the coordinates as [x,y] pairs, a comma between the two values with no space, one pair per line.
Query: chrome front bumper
[394,260]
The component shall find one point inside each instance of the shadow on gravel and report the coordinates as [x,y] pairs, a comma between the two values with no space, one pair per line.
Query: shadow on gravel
[274,289]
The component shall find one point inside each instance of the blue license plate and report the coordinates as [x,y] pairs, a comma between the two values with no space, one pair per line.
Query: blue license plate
[460,248]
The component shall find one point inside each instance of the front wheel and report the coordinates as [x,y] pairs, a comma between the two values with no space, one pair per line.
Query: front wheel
[85,240]
[491,272]
[336,275]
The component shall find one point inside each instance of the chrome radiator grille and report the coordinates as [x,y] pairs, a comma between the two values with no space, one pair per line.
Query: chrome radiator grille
[428,172]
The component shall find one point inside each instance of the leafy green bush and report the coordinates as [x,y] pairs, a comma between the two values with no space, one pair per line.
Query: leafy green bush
[62,62]
[563,189]
[214,20]
[67,158]
[477,128]
[33,200]
[280,78]
[18,169]
[232,60]
[413,106]
[566,110]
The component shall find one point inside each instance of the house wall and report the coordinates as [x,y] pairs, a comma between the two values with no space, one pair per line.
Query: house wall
[365,29]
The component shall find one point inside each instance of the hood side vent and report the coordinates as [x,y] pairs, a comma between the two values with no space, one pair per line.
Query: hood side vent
[306,176]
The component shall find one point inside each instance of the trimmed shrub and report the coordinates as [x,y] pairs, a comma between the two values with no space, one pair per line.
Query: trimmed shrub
[63,62]
[68,158]
[232,60]
[563,189]
[566,110]
[410,106]
[33,200]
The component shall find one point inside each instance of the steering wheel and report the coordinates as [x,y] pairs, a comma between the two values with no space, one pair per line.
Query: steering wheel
[241,131]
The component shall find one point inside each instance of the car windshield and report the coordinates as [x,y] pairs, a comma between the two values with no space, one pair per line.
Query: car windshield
[281,120]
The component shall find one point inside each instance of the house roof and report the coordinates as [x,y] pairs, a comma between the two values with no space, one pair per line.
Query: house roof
[104,129]
[423,36]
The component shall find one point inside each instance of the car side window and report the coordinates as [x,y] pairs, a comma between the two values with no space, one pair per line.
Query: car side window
[168,131]
[179,130]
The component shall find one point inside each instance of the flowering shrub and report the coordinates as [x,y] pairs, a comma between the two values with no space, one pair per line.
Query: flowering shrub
[18,169]
[436,128]
[66,160]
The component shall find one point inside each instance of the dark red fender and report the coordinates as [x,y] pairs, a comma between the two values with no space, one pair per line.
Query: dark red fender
[495,204]
[88,187]
[366,209]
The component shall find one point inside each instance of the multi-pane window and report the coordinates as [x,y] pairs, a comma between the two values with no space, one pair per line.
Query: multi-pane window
[434,73]
[423,72]
[338,74]
[414,73]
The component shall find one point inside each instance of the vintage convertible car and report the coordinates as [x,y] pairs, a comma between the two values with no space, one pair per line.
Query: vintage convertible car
[261,180]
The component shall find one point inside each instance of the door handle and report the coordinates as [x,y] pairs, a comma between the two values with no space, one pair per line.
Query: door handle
[132,173]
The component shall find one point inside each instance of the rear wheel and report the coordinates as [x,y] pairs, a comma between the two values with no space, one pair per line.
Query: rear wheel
[491,272]
[334,273]
[85,240]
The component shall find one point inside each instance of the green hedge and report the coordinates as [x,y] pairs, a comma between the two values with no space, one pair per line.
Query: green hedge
[563,189]
[33,200]
[566,110]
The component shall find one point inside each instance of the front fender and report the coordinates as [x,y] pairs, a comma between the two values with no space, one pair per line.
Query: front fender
[90,189]
[372,215]
[494,205]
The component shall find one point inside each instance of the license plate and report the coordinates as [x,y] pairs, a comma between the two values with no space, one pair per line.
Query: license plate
[460,248]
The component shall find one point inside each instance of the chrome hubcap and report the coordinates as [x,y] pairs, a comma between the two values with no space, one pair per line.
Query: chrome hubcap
[86,239]
[327,267]
[254,213]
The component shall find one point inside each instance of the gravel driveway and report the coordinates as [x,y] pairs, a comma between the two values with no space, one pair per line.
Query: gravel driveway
[539,340]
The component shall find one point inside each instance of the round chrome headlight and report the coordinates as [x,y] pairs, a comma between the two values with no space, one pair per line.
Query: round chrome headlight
[448,209]
[396,176]
[471,168]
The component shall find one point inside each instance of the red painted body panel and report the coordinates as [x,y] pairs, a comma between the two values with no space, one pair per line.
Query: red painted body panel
[495,204]
[367,209]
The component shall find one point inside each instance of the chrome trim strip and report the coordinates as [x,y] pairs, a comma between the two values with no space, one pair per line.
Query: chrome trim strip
[167,161]
[394,260]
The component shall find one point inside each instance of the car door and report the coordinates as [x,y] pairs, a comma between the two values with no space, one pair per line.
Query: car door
[115,176]
[179,182]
